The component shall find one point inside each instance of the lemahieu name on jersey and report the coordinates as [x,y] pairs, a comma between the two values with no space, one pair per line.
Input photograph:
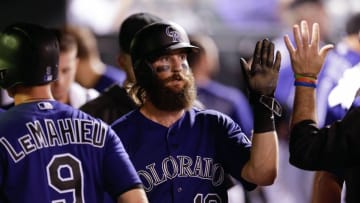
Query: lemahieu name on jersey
[49,134]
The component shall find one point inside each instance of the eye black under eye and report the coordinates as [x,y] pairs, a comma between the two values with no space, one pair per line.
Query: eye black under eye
[185,66]
[160,69]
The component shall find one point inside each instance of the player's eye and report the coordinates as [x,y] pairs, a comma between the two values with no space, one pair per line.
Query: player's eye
[65,70]
[164,59]
[183,57]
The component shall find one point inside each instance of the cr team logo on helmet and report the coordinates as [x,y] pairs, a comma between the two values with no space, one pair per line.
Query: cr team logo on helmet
[175,35]
[29,55]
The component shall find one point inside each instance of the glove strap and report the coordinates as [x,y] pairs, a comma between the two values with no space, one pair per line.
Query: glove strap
[264,108]
[271,104]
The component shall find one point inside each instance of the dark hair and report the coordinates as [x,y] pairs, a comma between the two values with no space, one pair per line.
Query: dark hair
[67,41]
[297,3]
[193,57]
[353,24]
[131,26]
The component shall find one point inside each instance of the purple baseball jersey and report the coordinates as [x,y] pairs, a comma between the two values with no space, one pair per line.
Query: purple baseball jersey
[188,161]
[112,75]
[51,152]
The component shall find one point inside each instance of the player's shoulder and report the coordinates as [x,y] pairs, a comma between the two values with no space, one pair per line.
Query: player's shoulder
[97,103]
[210,118]
[226,92]
[114,73]
[41,110]
[130,117]
[207,114]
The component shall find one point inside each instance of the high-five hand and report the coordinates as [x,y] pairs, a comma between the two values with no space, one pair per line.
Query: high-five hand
[306,59]
[263,74]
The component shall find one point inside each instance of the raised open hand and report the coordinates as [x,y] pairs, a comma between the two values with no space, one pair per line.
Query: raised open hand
[262,75]
[306,58]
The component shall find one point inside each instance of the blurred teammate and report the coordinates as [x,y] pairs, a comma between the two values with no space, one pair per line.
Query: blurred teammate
[51,152]
[312,148]
[114,101]
[65,89]
[329,184]
[92,72]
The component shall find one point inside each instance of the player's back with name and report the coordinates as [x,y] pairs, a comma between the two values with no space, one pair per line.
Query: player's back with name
[33,126]
[52,152]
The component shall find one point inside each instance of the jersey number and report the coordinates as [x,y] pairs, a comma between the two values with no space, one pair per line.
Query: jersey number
[209,198]
[65,174]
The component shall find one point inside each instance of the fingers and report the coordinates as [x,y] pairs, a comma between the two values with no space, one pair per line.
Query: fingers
[306,57]
[301,37]
[257,53]
[297,36]
[304,34]
[315,38]
[289,44]
[277,61]
[265,51]
[270,59]
[268,48]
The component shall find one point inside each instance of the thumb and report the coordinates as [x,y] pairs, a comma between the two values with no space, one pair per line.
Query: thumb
[246,73]
[244,67]
[325,49]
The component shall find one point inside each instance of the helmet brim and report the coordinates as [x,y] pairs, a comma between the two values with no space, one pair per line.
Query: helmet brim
[186,46]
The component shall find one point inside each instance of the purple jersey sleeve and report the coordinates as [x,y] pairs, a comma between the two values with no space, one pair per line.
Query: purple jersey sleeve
[120,174]
[111,76]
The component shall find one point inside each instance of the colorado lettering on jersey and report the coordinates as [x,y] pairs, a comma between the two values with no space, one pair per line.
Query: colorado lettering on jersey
[59,133]
[182,167]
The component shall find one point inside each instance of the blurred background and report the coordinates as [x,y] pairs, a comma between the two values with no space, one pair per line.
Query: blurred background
[235,25]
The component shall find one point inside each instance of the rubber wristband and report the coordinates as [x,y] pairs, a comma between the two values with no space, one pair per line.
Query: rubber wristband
[305,84]
[306,79]
[308,75]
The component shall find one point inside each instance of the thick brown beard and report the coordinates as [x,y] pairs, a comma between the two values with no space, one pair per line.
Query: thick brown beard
[165,98]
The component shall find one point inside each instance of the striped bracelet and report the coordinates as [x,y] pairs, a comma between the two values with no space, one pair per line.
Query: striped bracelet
[305,80]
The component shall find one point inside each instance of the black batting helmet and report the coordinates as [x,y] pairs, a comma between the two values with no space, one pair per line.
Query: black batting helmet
[29,55]
[131,25]
[154,40]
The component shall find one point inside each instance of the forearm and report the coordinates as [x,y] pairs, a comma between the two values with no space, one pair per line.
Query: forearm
[262,77]
[327,188]
[133,196]
[262,167]
[304,105]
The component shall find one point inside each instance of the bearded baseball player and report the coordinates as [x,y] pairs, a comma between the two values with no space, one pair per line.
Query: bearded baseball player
[182,153]
[51,152]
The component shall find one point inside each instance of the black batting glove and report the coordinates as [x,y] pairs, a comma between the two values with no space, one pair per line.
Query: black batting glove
[261,78]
